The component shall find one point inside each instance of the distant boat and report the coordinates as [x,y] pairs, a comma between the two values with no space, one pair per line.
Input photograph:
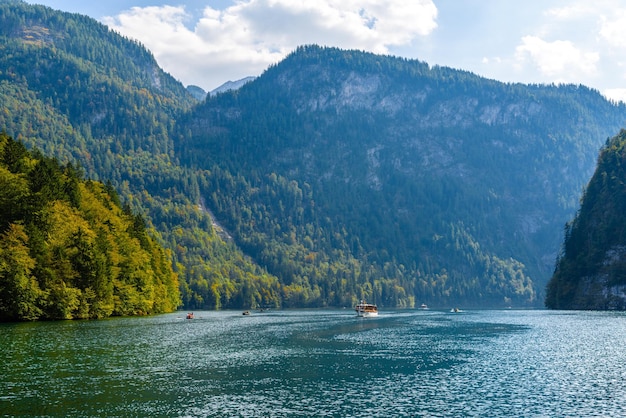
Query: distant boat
[366,310]
[423,306]
[455,310]
[190,315]
[246,313]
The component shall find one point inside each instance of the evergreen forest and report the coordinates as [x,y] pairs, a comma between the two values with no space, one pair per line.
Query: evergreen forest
[68,249]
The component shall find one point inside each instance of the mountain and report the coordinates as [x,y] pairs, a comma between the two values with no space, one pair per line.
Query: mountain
[83,94]
[353,175]
[334,176]
[230,85]
[591,270]
[69,250]
[197,92]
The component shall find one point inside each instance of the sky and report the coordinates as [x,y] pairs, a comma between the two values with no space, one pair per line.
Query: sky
[209,42]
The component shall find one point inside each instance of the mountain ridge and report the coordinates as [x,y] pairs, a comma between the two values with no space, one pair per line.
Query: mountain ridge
[230,85]
[300,108]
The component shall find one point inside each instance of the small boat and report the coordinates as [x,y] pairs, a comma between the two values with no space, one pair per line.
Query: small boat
[366,310]
[423,307]
[190,315]
[246,313]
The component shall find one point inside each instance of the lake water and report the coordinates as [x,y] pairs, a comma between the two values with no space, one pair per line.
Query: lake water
[319,363]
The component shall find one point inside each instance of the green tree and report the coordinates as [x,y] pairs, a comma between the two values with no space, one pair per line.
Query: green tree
[20,295]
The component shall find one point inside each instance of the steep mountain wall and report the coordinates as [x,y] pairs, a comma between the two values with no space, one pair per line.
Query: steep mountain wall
[591,270]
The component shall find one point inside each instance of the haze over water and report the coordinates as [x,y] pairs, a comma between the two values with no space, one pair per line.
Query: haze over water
[318,363]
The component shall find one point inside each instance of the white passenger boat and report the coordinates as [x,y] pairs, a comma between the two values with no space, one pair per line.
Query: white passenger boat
[366,309]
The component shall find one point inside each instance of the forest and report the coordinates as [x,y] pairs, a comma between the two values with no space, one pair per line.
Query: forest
[68,249]
[334,176]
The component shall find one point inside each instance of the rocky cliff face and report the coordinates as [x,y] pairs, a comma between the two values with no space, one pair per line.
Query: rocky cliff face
[591,272]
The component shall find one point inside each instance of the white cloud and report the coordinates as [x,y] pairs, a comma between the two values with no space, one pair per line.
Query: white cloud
[247,37]
[561,60]
[572,11]
[612,29]
[563,41]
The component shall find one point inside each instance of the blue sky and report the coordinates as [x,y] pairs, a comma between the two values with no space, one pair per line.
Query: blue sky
[209,42]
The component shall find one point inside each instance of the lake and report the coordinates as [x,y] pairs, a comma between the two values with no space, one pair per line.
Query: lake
[321,363]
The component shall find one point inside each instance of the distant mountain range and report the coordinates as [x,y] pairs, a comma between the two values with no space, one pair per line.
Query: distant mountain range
[337,175]
[231,85]
[200,94]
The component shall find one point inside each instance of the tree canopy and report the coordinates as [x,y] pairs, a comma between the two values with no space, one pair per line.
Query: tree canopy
[69,250]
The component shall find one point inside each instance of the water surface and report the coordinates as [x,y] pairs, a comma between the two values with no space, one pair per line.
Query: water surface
[319,363]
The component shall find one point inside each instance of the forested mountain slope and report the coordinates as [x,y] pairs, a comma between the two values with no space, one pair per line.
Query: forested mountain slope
[591,270]
[82,93]
[68,249]
[350,175]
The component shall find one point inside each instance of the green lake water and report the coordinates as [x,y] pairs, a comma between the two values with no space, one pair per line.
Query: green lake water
[318,363]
